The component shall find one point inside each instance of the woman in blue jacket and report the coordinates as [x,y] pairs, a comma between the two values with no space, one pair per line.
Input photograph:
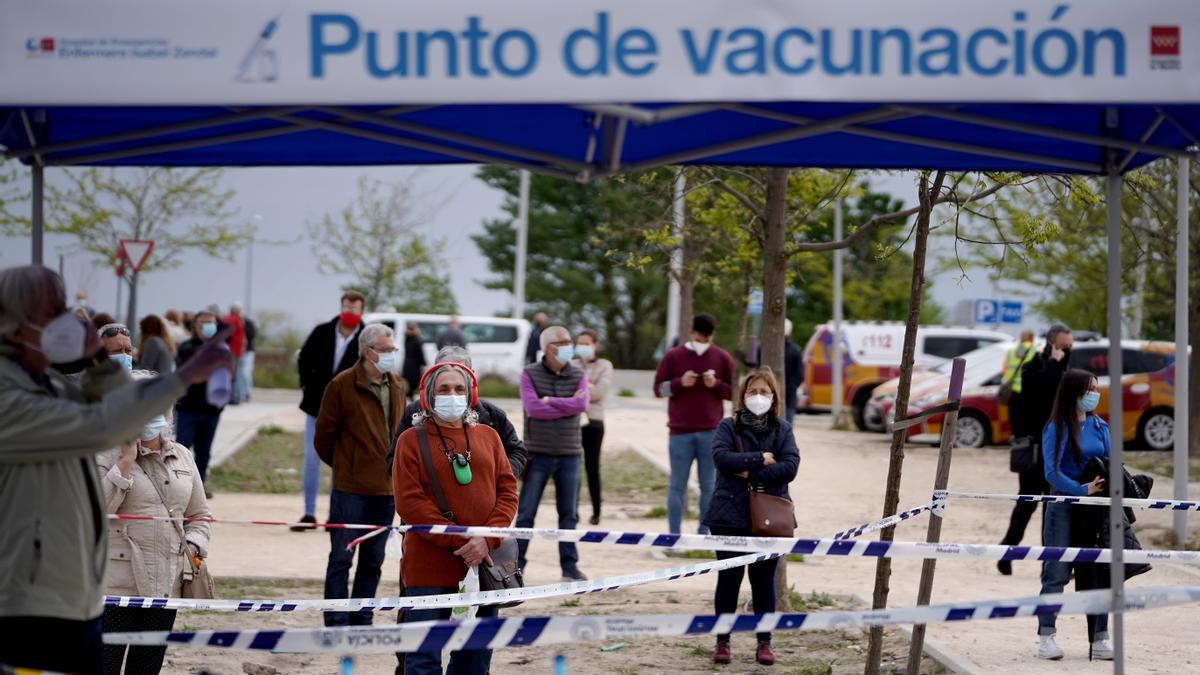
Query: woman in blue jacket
[1073,436]
[754,449]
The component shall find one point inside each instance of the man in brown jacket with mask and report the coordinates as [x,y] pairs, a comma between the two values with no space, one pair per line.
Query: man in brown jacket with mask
[360,408]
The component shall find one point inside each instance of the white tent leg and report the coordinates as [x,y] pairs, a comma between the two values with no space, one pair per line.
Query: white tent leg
[1116,482]
[38,220]
[1182,248]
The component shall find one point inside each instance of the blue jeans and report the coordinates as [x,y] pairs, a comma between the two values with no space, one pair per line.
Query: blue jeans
[466,662]
[312,467]
[245,377]
[1056,531]
[565,472]
[196,431]
[683,449]
[345,507]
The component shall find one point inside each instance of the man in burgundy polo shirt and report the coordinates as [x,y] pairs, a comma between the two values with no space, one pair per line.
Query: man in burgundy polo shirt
[696,377]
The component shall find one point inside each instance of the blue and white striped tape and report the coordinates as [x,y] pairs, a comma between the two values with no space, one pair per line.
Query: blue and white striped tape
[531,631]
[885,523]
[447,600]
[1154,504]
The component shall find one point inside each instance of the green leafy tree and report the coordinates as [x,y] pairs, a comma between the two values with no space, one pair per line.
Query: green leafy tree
[180,210]
[426,292]
[569,274]
[377,240]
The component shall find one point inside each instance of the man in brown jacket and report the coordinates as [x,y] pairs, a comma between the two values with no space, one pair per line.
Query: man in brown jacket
[358,411]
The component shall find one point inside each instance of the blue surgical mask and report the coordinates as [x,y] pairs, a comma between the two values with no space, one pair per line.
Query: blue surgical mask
[154,428]
[565,354]
[585,352]
[125,360]
[208,330]
[1089,401]
[450,407]
[387,362]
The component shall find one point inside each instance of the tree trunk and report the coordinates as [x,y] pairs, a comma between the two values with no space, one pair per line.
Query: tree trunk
[688,274]
[774,309]
[891,498]
[131,313]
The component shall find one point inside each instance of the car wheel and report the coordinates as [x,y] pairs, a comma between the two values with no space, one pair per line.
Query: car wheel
[860,409]
[1158,430]
[971,432]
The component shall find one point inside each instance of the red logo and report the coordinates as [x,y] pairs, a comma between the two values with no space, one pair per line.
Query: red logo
[47,44]
[1164,41]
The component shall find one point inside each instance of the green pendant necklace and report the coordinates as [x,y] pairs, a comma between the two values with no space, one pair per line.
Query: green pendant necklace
[460,463]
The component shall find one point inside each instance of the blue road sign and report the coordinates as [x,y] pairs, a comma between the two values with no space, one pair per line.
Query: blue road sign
[987,311]
[1010,312]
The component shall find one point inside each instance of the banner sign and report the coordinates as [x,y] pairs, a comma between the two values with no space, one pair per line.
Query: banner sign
[306,52]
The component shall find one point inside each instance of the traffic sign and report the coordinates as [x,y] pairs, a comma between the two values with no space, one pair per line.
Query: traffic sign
[987,311]
[755,306]
[135,252]
[1010,312]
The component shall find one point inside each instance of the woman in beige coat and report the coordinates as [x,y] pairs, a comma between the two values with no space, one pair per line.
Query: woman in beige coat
[153,477]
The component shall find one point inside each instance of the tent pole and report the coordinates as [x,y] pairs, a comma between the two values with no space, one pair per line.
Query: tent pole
[674,292]
[1116,482]
[1182,247]
[522,245]
[38,217]
[836,366]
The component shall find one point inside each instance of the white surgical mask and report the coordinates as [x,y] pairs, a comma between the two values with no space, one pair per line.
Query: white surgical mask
[699,347]
[759,404]
[154,428]
[584,352]
[450,407]
[63,339]
[388,362]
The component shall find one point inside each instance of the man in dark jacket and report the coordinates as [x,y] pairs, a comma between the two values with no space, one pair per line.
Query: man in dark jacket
[490,415]
[535,337]
[329,349]
[1028,414]
[196,420]
[793,369]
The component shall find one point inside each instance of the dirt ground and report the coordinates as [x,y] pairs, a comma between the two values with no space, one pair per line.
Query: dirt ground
[839,485]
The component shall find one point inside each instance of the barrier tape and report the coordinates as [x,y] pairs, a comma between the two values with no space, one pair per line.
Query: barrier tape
[1160,504]
[537,631]
[885,523]
[441,601]
[914,420]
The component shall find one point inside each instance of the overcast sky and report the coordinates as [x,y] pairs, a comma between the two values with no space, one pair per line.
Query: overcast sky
[285,276]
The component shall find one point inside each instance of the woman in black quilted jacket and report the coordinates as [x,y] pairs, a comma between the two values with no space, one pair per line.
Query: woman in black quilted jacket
[754,449]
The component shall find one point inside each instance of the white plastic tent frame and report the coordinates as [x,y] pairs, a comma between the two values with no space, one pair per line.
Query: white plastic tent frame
[603,158]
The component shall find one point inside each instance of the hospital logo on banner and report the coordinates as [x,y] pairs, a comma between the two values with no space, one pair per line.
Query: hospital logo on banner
[35,48]
[1164,47]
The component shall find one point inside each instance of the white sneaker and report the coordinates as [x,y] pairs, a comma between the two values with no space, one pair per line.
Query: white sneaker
[1048,648]
[1102,650]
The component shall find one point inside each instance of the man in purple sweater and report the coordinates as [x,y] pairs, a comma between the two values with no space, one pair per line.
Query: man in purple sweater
[696,377]
[554,393]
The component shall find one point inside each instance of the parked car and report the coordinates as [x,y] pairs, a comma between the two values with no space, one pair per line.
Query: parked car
[496,345]
[1148,395]
[871,354]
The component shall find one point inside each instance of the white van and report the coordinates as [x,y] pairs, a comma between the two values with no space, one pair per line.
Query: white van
[496,345]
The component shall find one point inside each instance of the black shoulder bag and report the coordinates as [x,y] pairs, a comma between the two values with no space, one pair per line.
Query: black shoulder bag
[503,573]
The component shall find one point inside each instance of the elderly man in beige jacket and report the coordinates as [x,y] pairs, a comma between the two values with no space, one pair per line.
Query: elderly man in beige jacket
[53,547]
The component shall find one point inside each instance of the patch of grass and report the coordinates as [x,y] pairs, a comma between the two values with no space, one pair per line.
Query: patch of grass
[1161,463]
[812,668]
[491,386]
[264,587]
[626,392]
[272,462]
[571,602]
[811,602]
[693,555]
[1165,539]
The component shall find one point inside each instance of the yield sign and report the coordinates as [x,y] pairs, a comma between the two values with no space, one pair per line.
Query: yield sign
[135,252]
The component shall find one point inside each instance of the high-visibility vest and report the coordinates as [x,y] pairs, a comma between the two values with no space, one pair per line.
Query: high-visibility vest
[1015,360]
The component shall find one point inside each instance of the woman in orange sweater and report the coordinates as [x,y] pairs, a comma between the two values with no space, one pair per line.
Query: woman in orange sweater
[473,472]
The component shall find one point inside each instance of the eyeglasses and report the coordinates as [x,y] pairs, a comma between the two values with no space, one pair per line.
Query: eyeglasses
[113,331]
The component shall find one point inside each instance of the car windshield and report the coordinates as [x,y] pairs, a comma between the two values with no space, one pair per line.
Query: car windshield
[979,361]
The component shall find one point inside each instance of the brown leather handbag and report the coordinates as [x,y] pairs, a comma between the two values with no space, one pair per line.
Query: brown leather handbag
[770,516]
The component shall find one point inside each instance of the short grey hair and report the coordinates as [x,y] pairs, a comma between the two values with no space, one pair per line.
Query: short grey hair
[25,289]
[371,334]
[453,354]
[552,333]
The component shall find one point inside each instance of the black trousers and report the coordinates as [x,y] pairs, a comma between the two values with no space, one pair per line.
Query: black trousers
[1089,526]
[593,438]
[1029,482]
[729,582]
[138,660]
[52,644]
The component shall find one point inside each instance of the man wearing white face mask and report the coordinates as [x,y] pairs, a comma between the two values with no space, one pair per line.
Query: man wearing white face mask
[53,547]
[352,435]
[696,377]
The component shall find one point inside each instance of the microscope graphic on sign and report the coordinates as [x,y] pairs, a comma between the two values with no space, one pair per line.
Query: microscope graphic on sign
[260,64]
